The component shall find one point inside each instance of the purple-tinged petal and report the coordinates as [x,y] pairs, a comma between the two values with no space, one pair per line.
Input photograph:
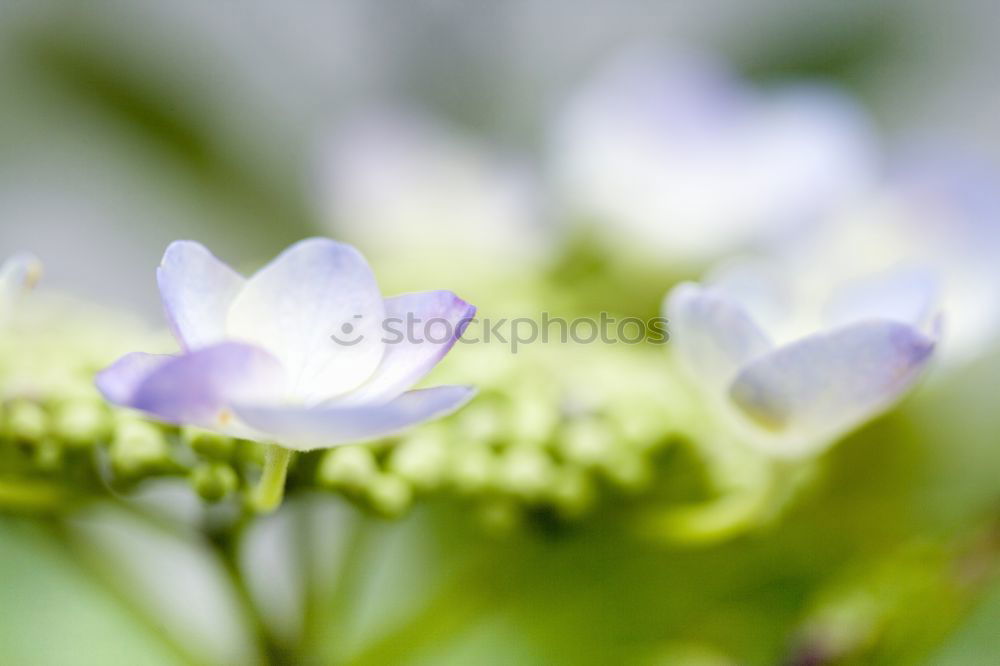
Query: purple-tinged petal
[316,308]
[196,388]
[905,295]
[713,335]
[304,429]
[810,392]
[419,330]
[119,381]
[197,290]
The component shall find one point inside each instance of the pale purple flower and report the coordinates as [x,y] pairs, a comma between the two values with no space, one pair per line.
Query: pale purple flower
[296,354]
[790,373]
[677,158]
[937,214]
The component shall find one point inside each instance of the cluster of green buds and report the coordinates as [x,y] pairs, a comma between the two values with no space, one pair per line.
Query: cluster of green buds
[553,429]
[533,440]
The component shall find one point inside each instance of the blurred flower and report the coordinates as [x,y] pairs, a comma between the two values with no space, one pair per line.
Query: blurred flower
[790,377]
[258,359]
[402,186]
[19,272]
[937,214]
[680,160]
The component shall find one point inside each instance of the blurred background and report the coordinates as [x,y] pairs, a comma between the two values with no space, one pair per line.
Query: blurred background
[125,126]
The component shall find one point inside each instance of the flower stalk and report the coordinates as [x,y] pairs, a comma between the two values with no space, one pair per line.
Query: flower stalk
[270,490]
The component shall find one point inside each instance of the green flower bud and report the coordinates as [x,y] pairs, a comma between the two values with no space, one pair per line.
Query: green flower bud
[526,471]
[351,467]
[481,421]
[642,425]
[389,494]
[25,421]
[249,451]
[138,446]
[588,442]
[213,481]
[81,422]
[629,470]
[472,468]
[533,418]
[421,459]
[208,444]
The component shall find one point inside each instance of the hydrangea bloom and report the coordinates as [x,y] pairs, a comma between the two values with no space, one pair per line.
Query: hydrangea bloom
[678,158]
[791,375]
[937,214]
[295,354]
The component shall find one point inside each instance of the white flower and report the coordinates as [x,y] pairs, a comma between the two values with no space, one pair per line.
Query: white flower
[936,214]
[790,376]
[296,354]
[680,160]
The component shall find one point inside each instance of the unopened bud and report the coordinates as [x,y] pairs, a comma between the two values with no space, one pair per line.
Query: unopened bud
[480,422]
[629,470]
[213,481]
[137,446]
[587,442]
[526,472]
[81,422]
[25,421]
[389,494]
[473,468]
[351,467]
[209,444]
[421,459]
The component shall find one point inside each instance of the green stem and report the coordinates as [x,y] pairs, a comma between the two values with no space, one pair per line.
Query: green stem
[270,490]
[29,495]
[735,513]
[225,541]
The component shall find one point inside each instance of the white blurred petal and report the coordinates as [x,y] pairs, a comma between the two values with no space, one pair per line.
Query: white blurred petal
[305,429]
[713,335]
[294,306]
[197,290]
[412,350]
[807,393]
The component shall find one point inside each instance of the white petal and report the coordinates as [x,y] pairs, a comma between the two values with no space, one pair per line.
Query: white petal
[197,290]
[713,335]
[908,296]
[420,329]
[317,308]
[195,388]
[304,429]
[810,392]
[119,381]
